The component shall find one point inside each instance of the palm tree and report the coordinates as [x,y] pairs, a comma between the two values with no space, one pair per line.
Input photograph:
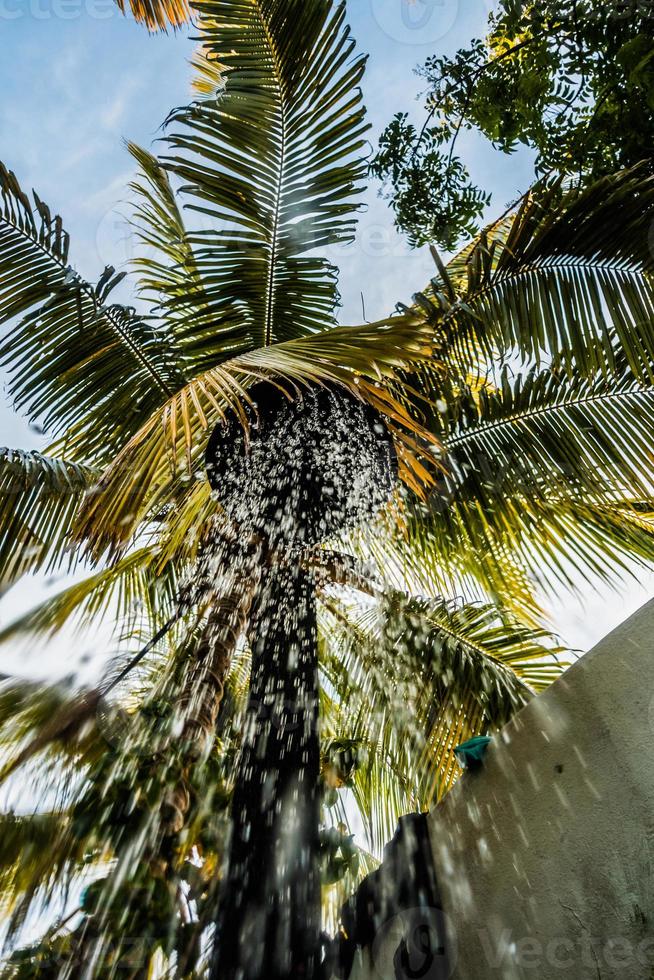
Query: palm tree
[507,480]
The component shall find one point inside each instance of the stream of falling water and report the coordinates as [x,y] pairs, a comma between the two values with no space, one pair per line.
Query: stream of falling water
[206,797]
[313,469]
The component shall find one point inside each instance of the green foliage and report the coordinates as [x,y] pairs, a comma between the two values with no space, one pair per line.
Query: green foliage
[61,325]
[574,81]
[436,673]
[290,100]
[110,837]
[136,589]
[518,389]
[430,189]
[39,497]
[547,467]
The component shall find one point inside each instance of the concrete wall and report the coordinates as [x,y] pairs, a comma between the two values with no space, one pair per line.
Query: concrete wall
[545,857]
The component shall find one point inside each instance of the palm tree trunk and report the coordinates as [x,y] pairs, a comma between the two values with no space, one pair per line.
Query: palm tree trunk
[269,920]
[199,702]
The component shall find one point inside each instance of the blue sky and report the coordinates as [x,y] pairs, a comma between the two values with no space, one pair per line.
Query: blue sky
[73,89]
[76,78]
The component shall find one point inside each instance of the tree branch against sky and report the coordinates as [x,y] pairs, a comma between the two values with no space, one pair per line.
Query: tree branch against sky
[572,80]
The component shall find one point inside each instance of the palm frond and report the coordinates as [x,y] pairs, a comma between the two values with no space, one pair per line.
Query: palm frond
[362,359]
[48,722]
[556,544]
[416,677]
[69,730]
[209,73]
[537,471]
[36,852]
[274,160]
[184,525]
[404,555]
[157,15]
[549,433]
[39,497]
[168,277]
[134,590]
[574,269]
[76,361]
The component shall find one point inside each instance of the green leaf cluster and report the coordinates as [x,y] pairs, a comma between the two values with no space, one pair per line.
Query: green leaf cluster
[572,80]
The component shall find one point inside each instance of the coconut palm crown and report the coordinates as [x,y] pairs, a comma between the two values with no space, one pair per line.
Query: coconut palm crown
[518,389]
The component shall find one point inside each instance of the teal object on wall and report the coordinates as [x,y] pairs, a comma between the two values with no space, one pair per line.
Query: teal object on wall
[471,754]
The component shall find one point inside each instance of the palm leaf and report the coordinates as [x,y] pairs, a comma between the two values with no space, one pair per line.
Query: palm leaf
[157,15]
[363,359]
[537,470]
[416,677]
[555,544]
[37,853]
[549,433]
[133,590]
[76,362]
[274,159]
[404,552]
[168,276]
[39,497]
[572,271]
[56,731]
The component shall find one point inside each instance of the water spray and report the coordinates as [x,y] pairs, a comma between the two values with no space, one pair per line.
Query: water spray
[309,465]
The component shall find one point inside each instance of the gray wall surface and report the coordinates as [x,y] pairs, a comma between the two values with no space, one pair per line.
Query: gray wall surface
[545,857]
